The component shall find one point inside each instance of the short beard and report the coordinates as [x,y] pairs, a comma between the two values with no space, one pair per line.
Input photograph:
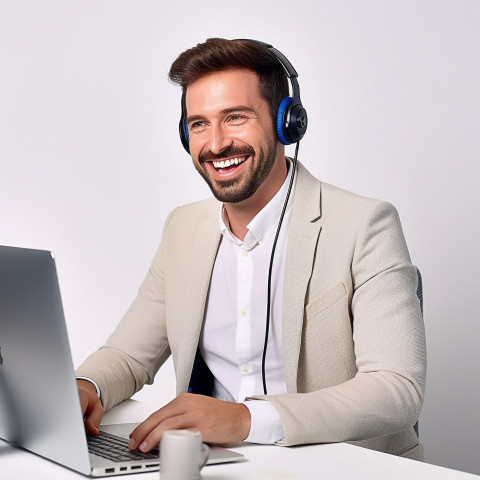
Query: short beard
[225,191]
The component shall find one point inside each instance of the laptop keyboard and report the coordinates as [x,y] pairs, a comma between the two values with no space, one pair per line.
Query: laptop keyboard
[115,448]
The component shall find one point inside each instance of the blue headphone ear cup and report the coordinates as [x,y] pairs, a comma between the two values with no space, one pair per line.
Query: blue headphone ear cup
[280,123]
[184,135]
[185,131]
[297,123]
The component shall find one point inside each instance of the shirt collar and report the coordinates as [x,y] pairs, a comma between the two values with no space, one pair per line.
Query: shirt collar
[265,223]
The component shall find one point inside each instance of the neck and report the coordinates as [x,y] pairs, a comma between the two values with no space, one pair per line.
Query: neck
[242,213]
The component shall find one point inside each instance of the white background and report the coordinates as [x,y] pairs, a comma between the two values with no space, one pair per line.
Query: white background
[91,163]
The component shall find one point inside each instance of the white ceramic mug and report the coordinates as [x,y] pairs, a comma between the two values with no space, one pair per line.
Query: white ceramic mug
[182,455]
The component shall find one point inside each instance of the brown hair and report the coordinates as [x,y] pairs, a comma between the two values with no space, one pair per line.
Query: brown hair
[219,54]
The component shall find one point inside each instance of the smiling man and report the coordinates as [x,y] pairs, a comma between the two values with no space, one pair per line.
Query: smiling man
[342,354]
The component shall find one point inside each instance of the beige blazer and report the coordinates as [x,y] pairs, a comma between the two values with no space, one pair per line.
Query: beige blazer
[353,336]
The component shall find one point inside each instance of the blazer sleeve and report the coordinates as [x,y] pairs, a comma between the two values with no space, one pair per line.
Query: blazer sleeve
[386,393]
[138,346]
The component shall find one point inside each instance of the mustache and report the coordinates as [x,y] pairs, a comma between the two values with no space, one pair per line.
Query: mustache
[231,151]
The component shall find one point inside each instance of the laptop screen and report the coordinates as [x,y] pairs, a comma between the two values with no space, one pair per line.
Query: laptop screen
[39,404]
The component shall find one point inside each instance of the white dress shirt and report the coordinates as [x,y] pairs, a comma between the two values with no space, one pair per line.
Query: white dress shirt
[233,332]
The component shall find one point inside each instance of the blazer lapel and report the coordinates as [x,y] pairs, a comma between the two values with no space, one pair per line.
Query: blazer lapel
[197,283]
[304,230]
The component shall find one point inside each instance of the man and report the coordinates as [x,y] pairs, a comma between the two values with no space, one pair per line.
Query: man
[345,356]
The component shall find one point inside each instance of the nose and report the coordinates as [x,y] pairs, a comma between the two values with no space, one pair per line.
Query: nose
[219,139]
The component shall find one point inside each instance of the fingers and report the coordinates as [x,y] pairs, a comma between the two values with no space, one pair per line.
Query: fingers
[92,408]
[153,437]
[170,417]
[93,417]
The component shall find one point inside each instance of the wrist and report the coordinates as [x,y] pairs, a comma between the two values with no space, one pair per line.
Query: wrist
[87,385]
[246,421]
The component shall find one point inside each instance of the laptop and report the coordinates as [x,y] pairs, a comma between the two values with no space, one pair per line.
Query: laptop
[39,404]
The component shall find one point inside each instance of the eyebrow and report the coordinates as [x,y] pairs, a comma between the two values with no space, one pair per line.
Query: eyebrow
[226,111]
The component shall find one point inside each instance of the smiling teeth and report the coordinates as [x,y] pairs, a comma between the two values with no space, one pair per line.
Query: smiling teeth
[229,163]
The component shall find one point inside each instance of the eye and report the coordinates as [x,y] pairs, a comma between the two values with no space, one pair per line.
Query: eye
[197,126]
[237,118]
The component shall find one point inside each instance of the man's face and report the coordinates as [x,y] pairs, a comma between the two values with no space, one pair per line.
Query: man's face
[232,141]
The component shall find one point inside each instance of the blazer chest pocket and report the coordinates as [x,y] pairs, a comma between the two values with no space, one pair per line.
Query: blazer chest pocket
[327,355]
[325,301]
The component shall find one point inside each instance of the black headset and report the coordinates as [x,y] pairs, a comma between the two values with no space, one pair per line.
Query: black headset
[292,121]
[291,125]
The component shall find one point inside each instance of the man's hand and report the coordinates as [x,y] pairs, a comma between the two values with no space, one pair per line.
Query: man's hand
[218,421]
[92,408]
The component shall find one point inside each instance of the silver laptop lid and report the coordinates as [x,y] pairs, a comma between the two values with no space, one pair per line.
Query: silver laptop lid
[39,404]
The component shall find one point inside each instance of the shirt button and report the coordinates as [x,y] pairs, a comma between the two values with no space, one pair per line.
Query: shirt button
[243,312]
[245,368]
[244,253]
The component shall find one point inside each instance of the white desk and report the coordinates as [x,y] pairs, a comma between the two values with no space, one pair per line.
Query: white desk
[334,461]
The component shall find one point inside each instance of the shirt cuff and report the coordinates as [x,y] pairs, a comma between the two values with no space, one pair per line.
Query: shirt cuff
[266,426]
[97,388]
